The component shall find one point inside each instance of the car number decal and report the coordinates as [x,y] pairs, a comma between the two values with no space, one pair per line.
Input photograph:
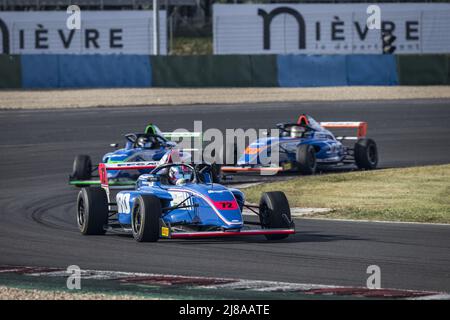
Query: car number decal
[226,205]
[123,202]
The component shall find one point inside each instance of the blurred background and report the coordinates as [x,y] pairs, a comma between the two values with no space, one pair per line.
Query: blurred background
[189,22]
[220,43]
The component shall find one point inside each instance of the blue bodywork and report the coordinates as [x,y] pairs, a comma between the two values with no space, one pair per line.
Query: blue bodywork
[328,149]
[133,153]
[209,205]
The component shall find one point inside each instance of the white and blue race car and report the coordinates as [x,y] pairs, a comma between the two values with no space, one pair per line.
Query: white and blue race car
[177,201]
[306,145]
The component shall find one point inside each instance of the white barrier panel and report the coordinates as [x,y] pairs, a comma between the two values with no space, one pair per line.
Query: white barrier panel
[329,28]
[101,32]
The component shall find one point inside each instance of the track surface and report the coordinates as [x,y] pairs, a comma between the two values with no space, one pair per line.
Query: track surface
[38,217]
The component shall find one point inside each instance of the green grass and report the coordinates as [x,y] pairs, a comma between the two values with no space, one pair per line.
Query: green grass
[419,194]
[192,46]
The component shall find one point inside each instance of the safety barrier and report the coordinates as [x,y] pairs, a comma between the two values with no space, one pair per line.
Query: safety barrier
[85,71]
[10,71]
[371,70]
[423,69]
[109,71]
[311,71]
[201,71]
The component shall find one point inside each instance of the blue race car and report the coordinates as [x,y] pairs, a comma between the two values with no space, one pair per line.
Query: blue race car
[176,201]
[152,146]
[305,146]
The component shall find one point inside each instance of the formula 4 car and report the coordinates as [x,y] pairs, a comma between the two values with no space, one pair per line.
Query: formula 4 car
[177,201]
[306,145]
[152,146]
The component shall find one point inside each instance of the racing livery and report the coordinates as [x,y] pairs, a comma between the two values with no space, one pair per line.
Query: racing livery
[306,145]
[177,201]
[152,146]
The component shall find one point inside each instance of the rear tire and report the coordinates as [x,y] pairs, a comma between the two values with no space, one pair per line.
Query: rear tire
[92,211]
[145,218]
[82,167]
[274,213]
[366,154]
[306,159]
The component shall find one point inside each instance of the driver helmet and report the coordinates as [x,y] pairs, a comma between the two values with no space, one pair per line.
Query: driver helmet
[144,142]
[179,175]
[297,131]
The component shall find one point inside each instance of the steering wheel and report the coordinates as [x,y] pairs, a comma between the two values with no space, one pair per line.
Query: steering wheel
[167,166]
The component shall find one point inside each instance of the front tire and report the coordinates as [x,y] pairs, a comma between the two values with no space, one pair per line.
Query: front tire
[306,159]
[92,211]
[366,154]
[274,213]
[145,218]
[82,167]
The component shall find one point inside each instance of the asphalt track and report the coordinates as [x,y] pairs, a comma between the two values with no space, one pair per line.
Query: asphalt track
[38,214]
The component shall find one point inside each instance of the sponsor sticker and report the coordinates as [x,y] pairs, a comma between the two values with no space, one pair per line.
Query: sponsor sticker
[164,231]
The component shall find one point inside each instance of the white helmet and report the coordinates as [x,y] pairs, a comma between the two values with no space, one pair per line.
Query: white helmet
[179,175]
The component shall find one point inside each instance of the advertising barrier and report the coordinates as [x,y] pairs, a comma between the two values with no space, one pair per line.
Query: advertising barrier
[329,28]
[101,32]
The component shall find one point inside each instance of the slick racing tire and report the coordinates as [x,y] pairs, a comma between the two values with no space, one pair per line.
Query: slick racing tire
[274,212]
[82,167]
[92,211]
[366,154]
[145,218]
[306,159]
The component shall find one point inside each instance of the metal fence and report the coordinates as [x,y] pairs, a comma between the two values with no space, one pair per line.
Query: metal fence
[9,5]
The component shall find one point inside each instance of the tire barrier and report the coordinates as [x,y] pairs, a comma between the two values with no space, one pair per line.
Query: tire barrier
[113,71]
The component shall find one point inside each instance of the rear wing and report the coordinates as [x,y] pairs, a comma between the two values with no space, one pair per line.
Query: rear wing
[103,169]
[173,135]
[176,136]
[359,125]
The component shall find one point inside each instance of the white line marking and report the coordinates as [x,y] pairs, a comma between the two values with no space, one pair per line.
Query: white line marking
[233,284]
[295,212]
[434,297]
[379,221]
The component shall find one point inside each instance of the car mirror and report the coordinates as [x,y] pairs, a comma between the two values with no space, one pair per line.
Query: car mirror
[114,145]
